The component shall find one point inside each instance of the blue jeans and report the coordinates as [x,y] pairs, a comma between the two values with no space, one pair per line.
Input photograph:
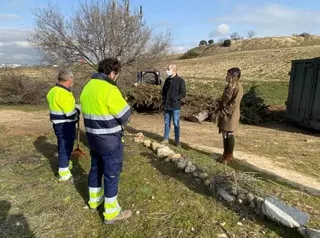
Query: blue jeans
[175,115]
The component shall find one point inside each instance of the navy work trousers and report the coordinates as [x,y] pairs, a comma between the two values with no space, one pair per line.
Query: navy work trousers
[108,164]
[66,134]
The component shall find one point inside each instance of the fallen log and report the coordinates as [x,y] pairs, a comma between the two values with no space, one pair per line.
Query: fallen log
[199,117]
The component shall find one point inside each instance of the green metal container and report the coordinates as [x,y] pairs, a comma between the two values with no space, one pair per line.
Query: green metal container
[303,104]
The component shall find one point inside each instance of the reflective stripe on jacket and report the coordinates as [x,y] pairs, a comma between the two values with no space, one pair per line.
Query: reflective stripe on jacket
[62,105]
[105,111]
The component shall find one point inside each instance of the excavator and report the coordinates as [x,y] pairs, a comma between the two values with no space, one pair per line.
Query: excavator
[149,77]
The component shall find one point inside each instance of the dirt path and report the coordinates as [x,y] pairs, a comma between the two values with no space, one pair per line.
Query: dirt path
[204,137]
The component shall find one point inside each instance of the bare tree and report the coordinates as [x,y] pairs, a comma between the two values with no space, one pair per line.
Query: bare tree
[251,34]
[235,36]
[96,30]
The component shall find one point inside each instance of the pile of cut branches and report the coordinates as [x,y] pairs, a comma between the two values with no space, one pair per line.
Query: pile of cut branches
[145,98]
[17,88]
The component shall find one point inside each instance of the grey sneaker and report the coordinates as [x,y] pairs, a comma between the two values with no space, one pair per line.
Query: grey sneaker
[123,215]
[165,142]
[177,144]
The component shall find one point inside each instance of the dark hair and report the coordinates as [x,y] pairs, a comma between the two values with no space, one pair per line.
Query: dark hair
[233,78]
[235,73]
[108,65]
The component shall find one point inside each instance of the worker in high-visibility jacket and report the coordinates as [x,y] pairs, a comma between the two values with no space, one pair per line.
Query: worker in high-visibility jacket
[64,115]
[105,112]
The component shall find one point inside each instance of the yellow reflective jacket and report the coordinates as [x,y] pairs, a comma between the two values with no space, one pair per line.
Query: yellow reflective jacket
[105,112]
[62,105]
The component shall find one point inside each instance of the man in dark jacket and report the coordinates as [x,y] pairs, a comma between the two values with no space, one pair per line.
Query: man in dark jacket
[174,89]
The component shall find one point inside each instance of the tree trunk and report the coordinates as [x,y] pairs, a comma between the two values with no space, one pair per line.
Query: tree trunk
[201,116]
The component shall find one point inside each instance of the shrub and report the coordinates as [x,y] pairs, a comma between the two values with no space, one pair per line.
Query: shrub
[305,34]
[211,42]
[189,55]
[17,88]
[227,43]
[253,108]
[251,34]
[203,43]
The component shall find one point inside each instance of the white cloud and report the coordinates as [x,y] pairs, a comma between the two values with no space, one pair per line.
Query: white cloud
[14,47]
[23,43]
[9,17]
[273,19]
[178,49]
[223,29]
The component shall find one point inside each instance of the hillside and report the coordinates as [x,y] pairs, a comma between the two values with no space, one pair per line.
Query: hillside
[258,44]
[263,61]
[256,65]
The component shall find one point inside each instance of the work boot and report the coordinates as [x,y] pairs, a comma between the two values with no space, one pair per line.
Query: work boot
[94,210]
[123,215]
[164,142]
[65,179]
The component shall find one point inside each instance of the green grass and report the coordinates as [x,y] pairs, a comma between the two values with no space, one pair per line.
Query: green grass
[274,93]
[43,207]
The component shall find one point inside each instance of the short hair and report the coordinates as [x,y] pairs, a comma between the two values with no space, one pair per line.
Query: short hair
[174,67]
[64,75]
[108,65]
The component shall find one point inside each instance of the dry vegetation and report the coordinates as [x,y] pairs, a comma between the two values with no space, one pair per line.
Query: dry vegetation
[169,203]
[55,210]
[257,65]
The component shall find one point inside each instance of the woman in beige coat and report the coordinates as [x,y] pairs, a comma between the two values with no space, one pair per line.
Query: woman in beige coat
[228,110]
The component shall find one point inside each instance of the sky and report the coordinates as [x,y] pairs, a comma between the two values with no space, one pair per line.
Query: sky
[189,21]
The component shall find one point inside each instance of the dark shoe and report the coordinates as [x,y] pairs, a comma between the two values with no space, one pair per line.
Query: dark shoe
[177,144]
[123,215]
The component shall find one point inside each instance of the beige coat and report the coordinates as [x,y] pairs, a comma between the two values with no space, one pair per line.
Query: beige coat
[229,110]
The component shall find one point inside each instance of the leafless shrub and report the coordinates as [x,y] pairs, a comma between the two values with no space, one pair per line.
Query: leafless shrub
[235,36]
[251,34]
[96,30]
[17,88]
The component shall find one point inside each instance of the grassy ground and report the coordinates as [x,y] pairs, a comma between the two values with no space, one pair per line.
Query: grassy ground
[42,207]
[274,93]
[257,65]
